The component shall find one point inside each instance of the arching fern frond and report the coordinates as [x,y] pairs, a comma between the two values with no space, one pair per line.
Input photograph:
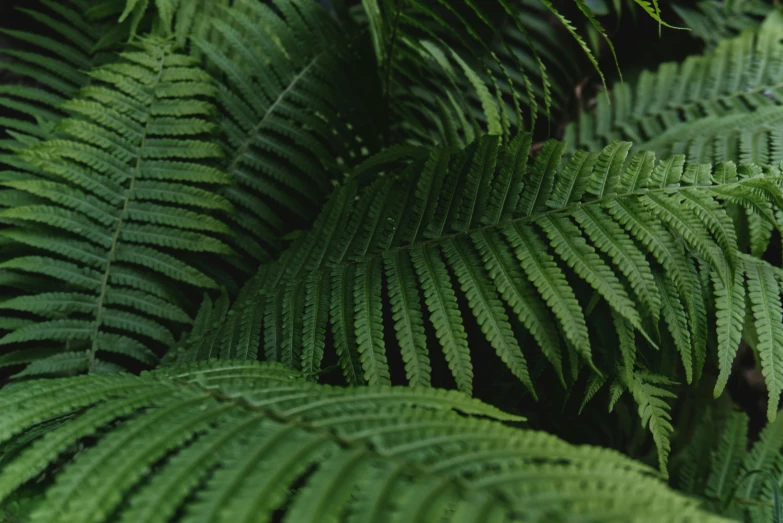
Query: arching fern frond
[480,237]
[289,91]
[106,225]
[237,441]
[460,224]
[725,105]
[721,106]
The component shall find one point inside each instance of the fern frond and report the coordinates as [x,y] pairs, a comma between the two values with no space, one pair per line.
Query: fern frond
[690,466]
[446,318]
[120,192]
[447,88]
[433,222]
[724,105]
[714,21]
[64,50]
[764,457]
[728,456]
[304,451]
[289,92]
[735,481]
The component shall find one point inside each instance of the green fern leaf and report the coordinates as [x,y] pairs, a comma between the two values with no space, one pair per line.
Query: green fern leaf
[608,237]
[342,309]
[572,30]
[487,307]
[564,237]
[698,316]
[408,318]
[730,312]
[764,295]
[627,345]
[728,456]
[666,208]
[609,163]
[446,318]
[701,108]
[95,177]
[503,63]
[551,283]
[423,226]
[507,276]
[316,315]
[230,442]
[288,113]
[636,221]
[677,321]
[369,326]
[654,411]
[763,457]
[539,183]
[714,21]
[508,185]
[66,40]
[570,185]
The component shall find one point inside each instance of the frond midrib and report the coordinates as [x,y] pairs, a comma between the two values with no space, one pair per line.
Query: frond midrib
[347,442]
[676,104]
[635,121]
[717,123]
[102,295]
[508,221]
[255,131]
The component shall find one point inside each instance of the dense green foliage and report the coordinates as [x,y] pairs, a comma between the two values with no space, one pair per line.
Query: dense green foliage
[382,453]
[394,198]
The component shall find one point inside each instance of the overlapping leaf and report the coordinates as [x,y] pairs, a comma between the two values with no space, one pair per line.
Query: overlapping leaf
[304,452]
[118,199]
